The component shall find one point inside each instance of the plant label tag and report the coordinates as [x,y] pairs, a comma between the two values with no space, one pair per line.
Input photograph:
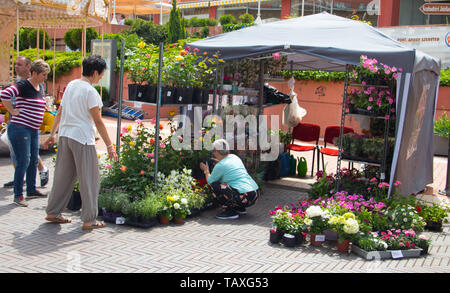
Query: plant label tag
[190,107]
[139,94]
[120,220]
[138,104]
[320,238]
[180,98]
[169,93]
[396,254]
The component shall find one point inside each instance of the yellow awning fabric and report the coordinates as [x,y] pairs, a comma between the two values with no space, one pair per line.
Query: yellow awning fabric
[193,5]
[140,7]
[213,3]
[231,2]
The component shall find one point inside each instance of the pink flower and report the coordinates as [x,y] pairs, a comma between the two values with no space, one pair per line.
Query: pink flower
[369,108]
[386,117]
[162,145]
[123,168]
[153,120]
[188,48]
[108,167]
[147,55]
[276,56]
[152,160]
[138,121]
[397,183]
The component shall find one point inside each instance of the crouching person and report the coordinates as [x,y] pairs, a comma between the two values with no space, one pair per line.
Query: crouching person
[232,186]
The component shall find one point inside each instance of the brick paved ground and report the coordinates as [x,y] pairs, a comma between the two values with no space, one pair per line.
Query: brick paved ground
[201,244]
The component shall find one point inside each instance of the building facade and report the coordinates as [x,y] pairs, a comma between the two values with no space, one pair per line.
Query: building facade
[381,13]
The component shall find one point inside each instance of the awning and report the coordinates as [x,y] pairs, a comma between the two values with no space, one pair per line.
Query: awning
[193,5]
[214,3]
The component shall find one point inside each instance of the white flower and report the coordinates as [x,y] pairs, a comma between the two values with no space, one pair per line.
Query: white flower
[176,206]
[314,211]
[307,221]
[405,220]
[351,226]
[184,201]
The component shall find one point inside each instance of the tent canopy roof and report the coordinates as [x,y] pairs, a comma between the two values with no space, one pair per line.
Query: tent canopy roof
[320,41]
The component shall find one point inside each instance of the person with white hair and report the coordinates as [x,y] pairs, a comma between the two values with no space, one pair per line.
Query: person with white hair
[232,186]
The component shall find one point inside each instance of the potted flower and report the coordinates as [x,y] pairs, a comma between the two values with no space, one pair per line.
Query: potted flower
[281,219]
[441,135]
[424,243]
[140,66]
[316,219]
[404,216]
[434,215]
[346,226]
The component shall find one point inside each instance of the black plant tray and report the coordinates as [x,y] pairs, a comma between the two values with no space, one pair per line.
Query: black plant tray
[153,222]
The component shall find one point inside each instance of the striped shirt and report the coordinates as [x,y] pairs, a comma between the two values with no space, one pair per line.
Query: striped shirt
[29,102]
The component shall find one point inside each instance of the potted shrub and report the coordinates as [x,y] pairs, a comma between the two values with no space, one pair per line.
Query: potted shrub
[441,135]
[112,203]
[148,209]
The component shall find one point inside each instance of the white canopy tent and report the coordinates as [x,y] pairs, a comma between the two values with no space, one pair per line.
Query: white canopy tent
[327,42]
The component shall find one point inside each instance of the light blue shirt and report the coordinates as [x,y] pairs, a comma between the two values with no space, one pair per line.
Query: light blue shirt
[230,170]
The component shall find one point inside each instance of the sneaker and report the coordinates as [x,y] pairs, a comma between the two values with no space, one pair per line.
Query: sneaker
[44,177]
[228,214]
[20,201]
[240,210]
[36,194]
[9,184]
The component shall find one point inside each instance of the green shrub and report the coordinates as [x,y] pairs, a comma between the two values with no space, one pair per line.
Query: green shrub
[204,33]
[442,126]
[211,22]
[32,38]
[150,32]
[24,43]
[129,21]
[246,18]
[113,201]
[73,37]
[227,19]
[445,77]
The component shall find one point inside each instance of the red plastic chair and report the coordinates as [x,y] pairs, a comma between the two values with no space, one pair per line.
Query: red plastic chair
[332,132]
[306,132]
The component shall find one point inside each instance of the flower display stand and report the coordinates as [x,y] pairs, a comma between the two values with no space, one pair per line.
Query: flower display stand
[388,254]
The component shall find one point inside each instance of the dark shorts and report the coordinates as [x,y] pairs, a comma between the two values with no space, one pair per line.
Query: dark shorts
[228,196]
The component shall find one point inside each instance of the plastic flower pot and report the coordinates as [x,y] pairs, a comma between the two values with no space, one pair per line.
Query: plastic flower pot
[343,246]
[163,220]
[179,220]
[132,90]
[184,96]
[197,96]
[275,236]
[299,239]
[75,201]
[434,226]
[150,94]
[316,239]
[289,240]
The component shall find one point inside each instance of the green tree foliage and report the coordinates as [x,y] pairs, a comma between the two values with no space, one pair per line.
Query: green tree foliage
[32,35]
[247,18]
[24,43]
[72,38]
[227,19]
[150,32]
[176,28]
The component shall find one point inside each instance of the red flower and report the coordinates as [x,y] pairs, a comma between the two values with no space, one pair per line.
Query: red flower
[152,141]
[161,126]
[419,209]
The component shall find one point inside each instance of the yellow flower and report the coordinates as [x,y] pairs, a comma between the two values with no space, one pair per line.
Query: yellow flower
[141,45]
[214,55]
[172,113]
[129,127]
[221,61]
[56,150]
[169,198]
[179,58]
[132,143]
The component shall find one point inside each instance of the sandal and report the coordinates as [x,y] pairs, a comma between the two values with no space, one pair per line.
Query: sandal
[95,225]
[58,219]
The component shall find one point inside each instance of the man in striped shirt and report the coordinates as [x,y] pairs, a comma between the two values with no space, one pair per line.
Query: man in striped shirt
[22,68]
[23,129]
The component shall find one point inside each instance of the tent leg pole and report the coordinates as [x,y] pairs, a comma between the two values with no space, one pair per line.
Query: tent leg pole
[158,109]
[119,110]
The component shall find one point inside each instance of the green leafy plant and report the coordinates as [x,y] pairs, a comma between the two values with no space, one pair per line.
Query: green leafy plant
[406,217]
[434,212]
[113,201]
[104,93]
[151,33]
[227,19]
[73,37]
[246,18]
[370,242]
[442,126]
[175,26]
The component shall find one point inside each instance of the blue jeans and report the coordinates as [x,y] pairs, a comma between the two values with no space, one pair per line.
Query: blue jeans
[25,143]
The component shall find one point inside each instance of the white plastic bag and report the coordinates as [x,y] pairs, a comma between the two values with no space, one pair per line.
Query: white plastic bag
[4,134]
[293,113]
